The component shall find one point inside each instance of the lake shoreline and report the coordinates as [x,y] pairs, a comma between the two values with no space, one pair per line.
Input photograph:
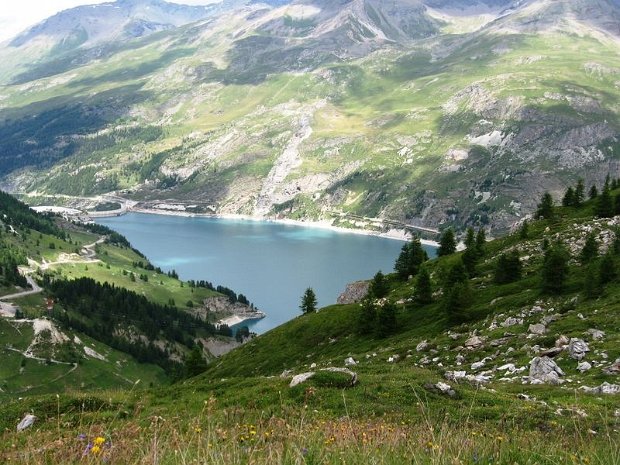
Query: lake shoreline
[394,234]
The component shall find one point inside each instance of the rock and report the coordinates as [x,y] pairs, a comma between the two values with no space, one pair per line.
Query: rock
[26,422]
[455,375]
[493,326]
[511,321]
[454,336]
[580,316]
[583,367]
[509,367]
[604,388]
[545,370]
[459,359]
[349,362]
[499,342]
[577,348]
[596,334]
[550,318]
[393,359]
[562,341]
[346,371]
[286,373]
[441,388]
[537,329]
[551,352]
[313,366]
[301,378]
[613,369]
[354,293]
[477,365]
[474,342]
[422,346]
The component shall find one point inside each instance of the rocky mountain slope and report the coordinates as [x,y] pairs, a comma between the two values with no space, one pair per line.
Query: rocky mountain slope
[423,112]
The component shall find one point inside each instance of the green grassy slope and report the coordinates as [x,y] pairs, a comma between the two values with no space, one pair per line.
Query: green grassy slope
[242,409]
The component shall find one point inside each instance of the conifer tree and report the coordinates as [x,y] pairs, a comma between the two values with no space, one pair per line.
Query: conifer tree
[379,287]
[545,207]
[593,192]
[367,320]
[579,193]
[524,231]
[508,268]
[605,203]
[591,283]
[308,302]
[555,269]
[386,324]
[447,243]
[423,294]
[457,301]
[481,242]
[470,239]
[411,257]
[607,270]
[195,363]
[569,198]
[590,249]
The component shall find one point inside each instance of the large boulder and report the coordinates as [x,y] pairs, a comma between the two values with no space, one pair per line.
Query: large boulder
[577,348]
[303,377]
[545,370]
[538,329]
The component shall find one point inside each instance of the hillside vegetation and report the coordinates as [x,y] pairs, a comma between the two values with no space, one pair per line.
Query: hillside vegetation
[80,309]
[523,367]
[426,113]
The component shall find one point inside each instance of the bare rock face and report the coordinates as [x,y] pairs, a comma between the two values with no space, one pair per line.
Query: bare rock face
[545,370]
[577,348]
[354,293]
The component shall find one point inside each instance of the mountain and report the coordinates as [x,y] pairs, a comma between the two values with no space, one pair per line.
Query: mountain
[427,113]
[74,312]
[515,373]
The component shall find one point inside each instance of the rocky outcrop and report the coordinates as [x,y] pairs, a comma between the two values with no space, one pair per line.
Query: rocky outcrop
[545,370]
[303,377]
[354,293]
[577,348]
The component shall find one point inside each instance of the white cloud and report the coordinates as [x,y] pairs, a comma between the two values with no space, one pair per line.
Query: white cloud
[17,15]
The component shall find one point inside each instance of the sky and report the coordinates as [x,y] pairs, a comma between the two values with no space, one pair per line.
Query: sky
[17,15]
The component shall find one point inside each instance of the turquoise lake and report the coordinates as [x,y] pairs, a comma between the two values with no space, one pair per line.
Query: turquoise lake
[270,263]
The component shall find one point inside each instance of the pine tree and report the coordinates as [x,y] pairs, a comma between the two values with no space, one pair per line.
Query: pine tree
[524,231]
[386,324]
[411,257]
[195,363]
[555,269]
[423,294]
[545,207]
[457,301]
[617,204]
[593,192]
[605,203]
[379,287]
[447,243]
[607,270]
[481,242]
[367,320]
[308,302]
[508,268]
[569,198]
[470,239]
[579,193]
[590,249]
[591,283]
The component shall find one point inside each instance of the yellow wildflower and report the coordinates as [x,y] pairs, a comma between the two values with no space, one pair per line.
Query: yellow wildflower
[99,441]
[95,449]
